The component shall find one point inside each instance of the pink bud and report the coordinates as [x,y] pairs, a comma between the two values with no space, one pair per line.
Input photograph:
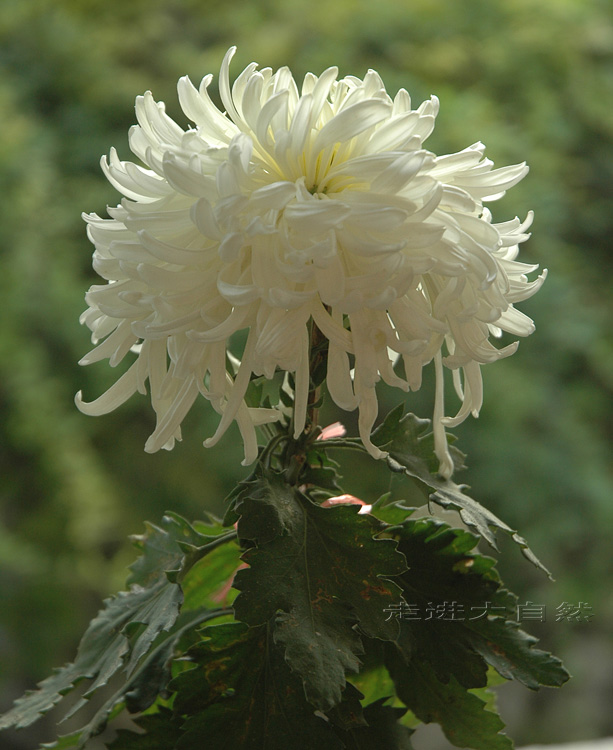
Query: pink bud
[347,500]
[336,429]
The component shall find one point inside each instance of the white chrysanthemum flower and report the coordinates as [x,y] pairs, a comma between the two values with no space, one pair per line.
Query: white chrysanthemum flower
[297,205]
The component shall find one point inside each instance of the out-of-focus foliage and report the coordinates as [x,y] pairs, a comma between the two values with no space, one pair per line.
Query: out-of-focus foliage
[533,81]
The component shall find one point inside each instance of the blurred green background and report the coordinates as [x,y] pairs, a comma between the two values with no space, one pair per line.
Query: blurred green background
[534,81]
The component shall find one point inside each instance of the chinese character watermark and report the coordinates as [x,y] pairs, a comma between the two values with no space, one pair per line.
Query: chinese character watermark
[453,611]
[403,611]
[487,609]
[444,611]
[581,612]
[531,611]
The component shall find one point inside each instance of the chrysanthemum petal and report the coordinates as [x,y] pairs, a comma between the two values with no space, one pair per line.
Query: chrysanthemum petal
[114,397]
[351,122]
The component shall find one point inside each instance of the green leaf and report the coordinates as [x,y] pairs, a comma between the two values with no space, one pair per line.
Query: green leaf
[391,512]
[265,391]
[63,743]
[461,714]
[205,581]
[241,694]
[323,477]
[348,714]
[511,652]
[151,679]
[153,673]
[445,585]
[375,683]
[320,470]
[320,572]
[408,443]
[151,676]
[76,739]
[462,616]
[102,650]
[456,622]
[133,632]
[172,549]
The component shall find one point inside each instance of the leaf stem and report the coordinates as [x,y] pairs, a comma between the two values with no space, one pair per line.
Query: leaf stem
[269,449]
[350,443]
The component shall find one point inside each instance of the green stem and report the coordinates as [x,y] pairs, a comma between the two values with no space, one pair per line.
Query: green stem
[349,443]
[316,357]
[218,541]
[269,449]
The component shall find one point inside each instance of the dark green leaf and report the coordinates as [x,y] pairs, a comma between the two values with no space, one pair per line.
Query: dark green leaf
[102,650]
[408,443]
[462,619]
[444,586]
[457,620]
[320,470]
[151,675]
[511,652]
[322,476]
[241,694]
[154,674]
[461,714]
[320,571]
[348,714]
[133,632]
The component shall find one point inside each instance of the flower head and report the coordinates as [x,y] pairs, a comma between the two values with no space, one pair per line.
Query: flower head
[300,206]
